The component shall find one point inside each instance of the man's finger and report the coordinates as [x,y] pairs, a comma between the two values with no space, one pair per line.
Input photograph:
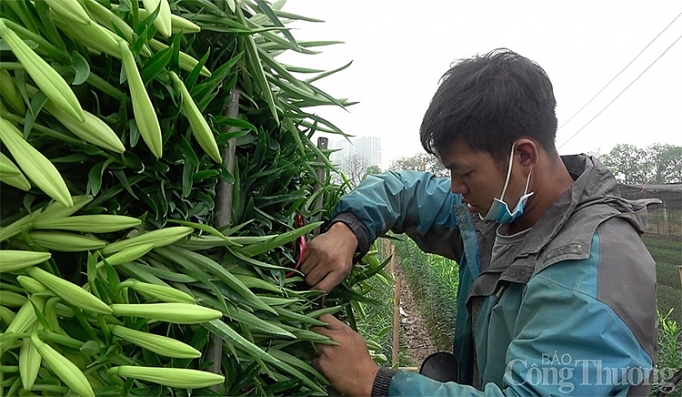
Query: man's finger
[308,263]
[329,319]
[324,331]
[329,282]
[316,275]
[333,324]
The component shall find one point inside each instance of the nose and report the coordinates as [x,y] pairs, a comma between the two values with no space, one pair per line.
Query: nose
[457,186]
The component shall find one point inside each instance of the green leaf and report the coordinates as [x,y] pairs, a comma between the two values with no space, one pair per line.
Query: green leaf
[210,7]
[95,177]
[172,276]
[226,175]
[256,69]
[48,25]
[133,162]
[281,386]
[21,8]
[289,315]
[134,132]
[265,8]
[37,103]
[205,174]
[41,318]
[298,375]
[191,80]
[90,348]
[179,256]
[206,228]
[298,69]
[257,324]
[343,292]
[199,92]
[225,120]
[187,171]
[144,30]
[232,338]
[175,53]
[156,64]
[185,147]
[277,241]
[124,182]
[81,67]
[142,273]
[370,272]
[296,362]
[288,15]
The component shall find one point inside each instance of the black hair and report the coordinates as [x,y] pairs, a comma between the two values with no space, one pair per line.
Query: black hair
[489,102]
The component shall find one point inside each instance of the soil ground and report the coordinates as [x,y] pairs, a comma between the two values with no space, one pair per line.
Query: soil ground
[416,337]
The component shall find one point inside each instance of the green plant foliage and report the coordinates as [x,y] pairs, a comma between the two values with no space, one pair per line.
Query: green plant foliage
[669,351]
[236,271]
[667,255]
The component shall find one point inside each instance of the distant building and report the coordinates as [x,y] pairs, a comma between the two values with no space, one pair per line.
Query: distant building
[368,148]
[345,151]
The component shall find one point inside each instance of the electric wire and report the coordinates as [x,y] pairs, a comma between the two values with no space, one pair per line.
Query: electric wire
[619,73]
[621,93]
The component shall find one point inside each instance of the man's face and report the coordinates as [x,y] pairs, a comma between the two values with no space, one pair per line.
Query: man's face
[476,176]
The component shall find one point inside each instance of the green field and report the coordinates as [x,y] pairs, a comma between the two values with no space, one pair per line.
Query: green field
[668,256]
[433,281]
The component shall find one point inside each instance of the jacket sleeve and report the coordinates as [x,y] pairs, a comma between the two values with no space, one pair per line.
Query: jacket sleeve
[416,203]
[565,341]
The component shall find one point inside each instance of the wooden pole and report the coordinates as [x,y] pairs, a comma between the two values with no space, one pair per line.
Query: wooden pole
[680,267]
[321,174]
[392,262]
[223,217]
[396,321]
[396,306]
[223,213]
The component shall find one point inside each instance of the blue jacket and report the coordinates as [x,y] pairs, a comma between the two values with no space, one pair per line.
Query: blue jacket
[569,311]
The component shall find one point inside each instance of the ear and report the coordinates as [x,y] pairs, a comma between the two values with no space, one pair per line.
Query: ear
[526,151]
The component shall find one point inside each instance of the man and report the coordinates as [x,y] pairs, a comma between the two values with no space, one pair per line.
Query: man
[557,291]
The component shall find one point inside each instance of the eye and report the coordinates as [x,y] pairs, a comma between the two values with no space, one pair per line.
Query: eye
[466,175]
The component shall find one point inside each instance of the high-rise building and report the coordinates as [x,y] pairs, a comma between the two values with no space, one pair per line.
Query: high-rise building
[345,150]
[366,148]
[369,147]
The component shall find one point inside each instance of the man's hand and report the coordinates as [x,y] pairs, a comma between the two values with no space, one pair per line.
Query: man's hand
[328,258]
[348,366]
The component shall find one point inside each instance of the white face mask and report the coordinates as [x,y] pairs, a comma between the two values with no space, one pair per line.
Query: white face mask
[499,211]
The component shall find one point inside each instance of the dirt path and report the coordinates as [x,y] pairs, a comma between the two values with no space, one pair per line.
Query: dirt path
[417,339]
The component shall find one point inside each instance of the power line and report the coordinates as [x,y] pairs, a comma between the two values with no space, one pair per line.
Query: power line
[619,73]
[621,93]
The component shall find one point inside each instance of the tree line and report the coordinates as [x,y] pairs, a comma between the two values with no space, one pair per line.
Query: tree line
[655,164]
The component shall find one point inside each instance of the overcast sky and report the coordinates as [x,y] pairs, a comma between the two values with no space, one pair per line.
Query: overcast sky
[400,50]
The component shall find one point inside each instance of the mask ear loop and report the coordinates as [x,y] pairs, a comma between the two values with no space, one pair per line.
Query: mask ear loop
[525,191]
[509,167]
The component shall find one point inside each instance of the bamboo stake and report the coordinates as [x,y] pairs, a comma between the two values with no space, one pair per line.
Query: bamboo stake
[396,321]
[392,263]
[321,174]
[223,217]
